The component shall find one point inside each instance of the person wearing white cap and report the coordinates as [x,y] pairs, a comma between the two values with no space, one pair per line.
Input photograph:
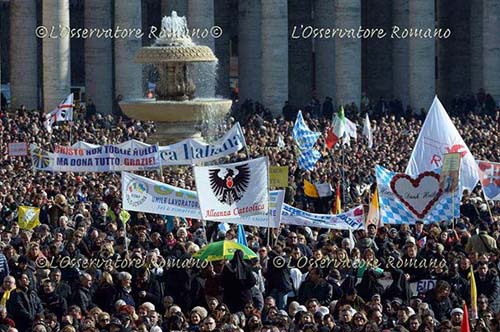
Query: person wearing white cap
[456,317]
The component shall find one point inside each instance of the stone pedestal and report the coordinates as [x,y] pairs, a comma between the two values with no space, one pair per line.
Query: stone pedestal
[23,54]
[422,56]
[324,50]
[56,54]
[128,73]
[98,56]
[274,20]
[249,50]
[348,54]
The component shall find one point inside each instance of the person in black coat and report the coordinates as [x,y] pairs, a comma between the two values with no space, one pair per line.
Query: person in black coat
[316,287]
[82,296]
[238,280]
[24,304]
[124,289]
[369,285]
[277,274]
[53,302]
[400,287]
[146,289]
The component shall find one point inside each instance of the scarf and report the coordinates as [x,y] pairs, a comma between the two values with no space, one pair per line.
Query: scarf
[5,297]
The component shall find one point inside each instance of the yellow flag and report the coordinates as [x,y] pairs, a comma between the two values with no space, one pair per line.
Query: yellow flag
[124,216]
[29,217]
[310,189]
[337,208]
[473,294]
[373,216]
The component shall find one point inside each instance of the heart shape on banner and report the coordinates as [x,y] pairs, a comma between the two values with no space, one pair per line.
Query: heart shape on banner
[418,195]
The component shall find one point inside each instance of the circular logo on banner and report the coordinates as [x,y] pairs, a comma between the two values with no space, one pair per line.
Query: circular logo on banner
[136,192]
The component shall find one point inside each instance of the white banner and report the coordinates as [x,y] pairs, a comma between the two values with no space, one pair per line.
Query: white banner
[145,195]
[18,149]
[422,286]
[230,191]
[128,156]
[324,189]
[352,219]
[191,151]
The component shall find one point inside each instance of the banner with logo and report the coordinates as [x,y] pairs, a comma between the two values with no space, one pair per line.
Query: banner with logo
[229,191]
[192,151]
[404,199]
[490,179]
[18,149]
[128,156]
[145,195]
[422,286]
[278,176]
[352,219]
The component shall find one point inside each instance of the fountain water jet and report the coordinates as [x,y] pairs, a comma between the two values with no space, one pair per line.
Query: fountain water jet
[175,109]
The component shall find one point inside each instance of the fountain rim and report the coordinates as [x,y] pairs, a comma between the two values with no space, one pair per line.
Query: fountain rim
[158,54]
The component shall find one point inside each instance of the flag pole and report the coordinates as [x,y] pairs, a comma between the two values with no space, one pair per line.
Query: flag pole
[268,197]
[487,203]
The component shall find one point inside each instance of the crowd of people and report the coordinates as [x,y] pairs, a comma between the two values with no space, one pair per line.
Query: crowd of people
[304,280]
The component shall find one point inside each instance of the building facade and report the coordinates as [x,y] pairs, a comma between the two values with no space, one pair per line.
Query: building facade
[272,50]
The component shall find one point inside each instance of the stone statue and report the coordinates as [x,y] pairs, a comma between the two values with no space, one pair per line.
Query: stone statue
[174,30]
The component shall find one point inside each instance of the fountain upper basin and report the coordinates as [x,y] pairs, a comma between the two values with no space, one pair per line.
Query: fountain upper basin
[175,111]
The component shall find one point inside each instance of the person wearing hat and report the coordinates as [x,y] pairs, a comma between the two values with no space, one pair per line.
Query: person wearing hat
[457,315]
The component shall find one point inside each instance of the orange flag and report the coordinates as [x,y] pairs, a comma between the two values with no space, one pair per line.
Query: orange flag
[465,320]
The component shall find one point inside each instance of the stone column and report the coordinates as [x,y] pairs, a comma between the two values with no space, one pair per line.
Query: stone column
[348,53]
[200,20]
[128,73]
[491,48]
[400,53]
[476,45]
[23,54]
[222,47]
[180,6]
[422,56]
[274,21]
[249,50]
[324,50]
[56,55]
[300,56]
[98,56]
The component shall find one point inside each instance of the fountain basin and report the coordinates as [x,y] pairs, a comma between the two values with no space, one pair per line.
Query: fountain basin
[175,120]
[175,111]
[158,54]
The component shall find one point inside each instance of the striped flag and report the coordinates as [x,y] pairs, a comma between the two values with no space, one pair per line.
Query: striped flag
[337,208]
[373,216]
[473,294]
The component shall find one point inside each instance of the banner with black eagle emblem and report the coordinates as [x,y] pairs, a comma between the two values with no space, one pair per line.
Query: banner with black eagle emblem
[233,190]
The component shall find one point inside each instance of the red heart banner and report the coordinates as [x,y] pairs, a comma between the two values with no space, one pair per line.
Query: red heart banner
[418,195]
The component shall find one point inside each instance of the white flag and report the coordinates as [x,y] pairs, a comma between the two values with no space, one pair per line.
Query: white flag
[281,142]
[437,137]
[367,131]
[350,132]
[233,190]
[63,112]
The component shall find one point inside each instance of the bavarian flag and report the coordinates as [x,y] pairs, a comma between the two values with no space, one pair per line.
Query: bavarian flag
[29,217]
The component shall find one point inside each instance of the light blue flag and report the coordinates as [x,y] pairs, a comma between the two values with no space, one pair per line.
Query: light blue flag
[242,239]
[304,137]
[308,159]
[393,210]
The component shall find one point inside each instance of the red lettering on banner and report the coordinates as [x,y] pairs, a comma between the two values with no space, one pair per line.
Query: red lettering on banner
[436,159]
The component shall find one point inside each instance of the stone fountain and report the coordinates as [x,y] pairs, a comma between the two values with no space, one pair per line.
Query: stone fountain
[175,110]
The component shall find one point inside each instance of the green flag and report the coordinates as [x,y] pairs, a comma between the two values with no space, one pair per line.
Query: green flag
[124,216]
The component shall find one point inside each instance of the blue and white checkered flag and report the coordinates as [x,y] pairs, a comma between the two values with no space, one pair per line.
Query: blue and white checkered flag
[393,211]
[308,159]
[304,137]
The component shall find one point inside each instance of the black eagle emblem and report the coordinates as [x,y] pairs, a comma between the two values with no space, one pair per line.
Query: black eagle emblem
[229,185]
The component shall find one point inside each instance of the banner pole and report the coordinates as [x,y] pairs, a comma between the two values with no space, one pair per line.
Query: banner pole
[486,201]
[268,197]
[453,210]
[161,166]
